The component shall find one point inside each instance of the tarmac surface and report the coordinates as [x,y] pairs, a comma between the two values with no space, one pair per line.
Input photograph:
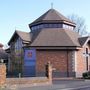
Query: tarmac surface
[61,85]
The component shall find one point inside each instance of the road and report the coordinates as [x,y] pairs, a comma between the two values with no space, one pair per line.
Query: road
[62,85]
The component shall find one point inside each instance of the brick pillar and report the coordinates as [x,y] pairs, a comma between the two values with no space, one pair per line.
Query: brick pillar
[2,74]
[49,71]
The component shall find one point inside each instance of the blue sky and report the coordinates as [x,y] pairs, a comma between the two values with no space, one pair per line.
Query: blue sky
[17,14]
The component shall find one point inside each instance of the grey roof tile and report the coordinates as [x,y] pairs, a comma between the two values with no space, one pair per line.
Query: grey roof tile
[56,37]
[25,36]
[51,16]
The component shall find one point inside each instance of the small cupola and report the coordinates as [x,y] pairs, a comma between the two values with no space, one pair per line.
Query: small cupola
[52,19]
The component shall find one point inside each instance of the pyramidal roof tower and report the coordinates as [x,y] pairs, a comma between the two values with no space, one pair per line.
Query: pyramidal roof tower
[52,19]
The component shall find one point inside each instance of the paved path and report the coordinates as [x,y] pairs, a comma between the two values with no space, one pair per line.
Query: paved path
[58,85]
[63,85]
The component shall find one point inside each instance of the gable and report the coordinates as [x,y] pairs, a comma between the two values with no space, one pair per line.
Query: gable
[84,40]
[24,36]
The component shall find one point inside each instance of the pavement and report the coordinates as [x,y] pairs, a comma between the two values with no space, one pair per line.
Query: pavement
[60,84]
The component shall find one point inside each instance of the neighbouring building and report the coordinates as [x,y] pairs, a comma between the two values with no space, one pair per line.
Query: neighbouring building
[3,55]
[52,38]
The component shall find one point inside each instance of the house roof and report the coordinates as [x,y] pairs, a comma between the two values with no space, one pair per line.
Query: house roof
[52,37]
[23,35]
[56,37]
[1,45]
[82,40]
[3,54]
[52,16]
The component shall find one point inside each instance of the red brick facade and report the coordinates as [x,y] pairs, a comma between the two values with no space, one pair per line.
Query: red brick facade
[60,60]
[81,61]
[53,38]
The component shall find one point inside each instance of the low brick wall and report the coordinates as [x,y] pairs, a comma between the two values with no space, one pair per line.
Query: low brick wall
[30,81]
[2,74]
[26,81]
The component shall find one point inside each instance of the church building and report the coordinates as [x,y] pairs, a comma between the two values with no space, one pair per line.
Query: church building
[52,38]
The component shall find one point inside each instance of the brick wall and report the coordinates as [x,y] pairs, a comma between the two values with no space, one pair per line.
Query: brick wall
[81,61]
[60,60]
[2,74]
[81,64]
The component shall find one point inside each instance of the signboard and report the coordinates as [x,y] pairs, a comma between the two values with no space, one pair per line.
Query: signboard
[30,57]
[30,54]
[29,62]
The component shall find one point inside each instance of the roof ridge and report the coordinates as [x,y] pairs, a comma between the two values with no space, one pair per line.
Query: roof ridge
[70,35]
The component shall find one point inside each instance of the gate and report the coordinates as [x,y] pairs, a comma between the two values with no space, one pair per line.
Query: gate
[29,63]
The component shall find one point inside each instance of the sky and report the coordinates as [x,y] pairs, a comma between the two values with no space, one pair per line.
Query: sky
[17,14]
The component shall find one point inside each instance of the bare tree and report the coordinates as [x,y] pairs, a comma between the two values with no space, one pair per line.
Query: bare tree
[80,24]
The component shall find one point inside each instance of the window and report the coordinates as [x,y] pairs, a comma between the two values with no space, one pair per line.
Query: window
[50,25]
[18,45]
[65,26]
[87,59]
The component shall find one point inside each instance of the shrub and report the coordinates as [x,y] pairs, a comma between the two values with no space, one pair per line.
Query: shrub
[86,75]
